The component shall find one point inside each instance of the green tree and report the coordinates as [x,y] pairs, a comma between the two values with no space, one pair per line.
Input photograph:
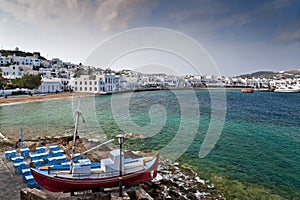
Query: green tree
[3,81]
[30,82]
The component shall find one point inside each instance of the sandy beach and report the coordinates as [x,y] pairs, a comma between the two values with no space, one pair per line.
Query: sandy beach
[26,98]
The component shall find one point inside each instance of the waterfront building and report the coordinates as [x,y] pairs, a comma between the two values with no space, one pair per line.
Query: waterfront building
[119,82]
[89,85]
[51,85]
[100,83]
[171,82]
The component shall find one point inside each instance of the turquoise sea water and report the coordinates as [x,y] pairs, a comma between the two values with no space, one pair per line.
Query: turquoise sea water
[259,143]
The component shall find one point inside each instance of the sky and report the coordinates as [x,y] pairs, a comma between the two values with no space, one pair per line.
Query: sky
[237,36]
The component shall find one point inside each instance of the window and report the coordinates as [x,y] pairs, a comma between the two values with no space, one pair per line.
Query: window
[85,82]
[90,82]
[80,83]
[75,82]
[91,89]
[85,88]
[95,88]
[80,88]
[95,83]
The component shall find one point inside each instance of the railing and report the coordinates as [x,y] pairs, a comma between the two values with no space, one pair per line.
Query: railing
[85,175]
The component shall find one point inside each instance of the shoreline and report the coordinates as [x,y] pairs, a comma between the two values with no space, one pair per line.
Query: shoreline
[12,100]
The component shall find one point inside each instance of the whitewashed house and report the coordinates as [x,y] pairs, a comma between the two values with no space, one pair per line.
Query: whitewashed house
[51,85]
[13,72]
[4,60]
[131,80]
[119,82]
[171,81]
[44,72]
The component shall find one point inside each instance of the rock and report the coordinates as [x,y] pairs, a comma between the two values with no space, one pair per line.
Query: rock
[175,182]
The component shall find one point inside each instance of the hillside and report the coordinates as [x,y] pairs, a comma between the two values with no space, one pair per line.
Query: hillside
[18,53]
[272,74]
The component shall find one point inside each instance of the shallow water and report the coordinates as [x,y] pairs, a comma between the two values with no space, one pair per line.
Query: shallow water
[259,143]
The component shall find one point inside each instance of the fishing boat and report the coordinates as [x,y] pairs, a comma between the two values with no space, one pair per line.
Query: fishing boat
[248,90]
[107,175]
[113,171]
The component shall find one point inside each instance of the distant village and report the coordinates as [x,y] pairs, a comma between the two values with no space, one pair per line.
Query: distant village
[59,76]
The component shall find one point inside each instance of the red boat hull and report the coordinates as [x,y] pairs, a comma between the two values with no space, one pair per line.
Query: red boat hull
[248,90]
[63,184]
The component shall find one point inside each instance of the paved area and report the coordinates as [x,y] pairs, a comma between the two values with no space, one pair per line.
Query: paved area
[9,184]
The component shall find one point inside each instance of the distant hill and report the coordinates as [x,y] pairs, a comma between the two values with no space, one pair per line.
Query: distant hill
[259,74]
[271,74]
[295,72]
[18,53]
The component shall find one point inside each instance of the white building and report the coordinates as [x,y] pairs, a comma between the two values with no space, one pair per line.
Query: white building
[101,83]
[13,72]
[119,82]
[131,80]
[4,60]
[33,61]
[51,85]
[109,81]
[29,71]
[84,84]
[171,81]
[44,72]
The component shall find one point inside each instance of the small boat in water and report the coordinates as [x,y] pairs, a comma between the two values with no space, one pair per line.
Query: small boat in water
[81,176]
[248,90]
[287,89]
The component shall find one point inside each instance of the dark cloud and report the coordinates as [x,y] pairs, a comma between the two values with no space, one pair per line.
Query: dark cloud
[72,28]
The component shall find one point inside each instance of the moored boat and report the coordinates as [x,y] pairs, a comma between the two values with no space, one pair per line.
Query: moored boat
[287,89]
[248,90]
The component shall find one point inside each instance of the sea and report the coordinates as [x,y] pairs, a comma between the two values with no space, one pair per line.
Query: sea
[249,138]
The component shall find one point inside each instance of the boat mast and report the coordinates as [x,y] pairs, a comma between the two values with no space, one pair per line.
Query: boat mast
[21,139]
[77,114]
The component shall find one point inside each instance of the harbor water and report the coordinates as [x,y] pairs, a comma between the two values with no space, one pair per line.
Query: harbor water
[258,145]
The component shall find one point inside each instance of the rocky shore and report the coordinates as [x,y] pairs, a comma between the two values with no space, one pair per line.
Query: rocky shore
[172,182]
